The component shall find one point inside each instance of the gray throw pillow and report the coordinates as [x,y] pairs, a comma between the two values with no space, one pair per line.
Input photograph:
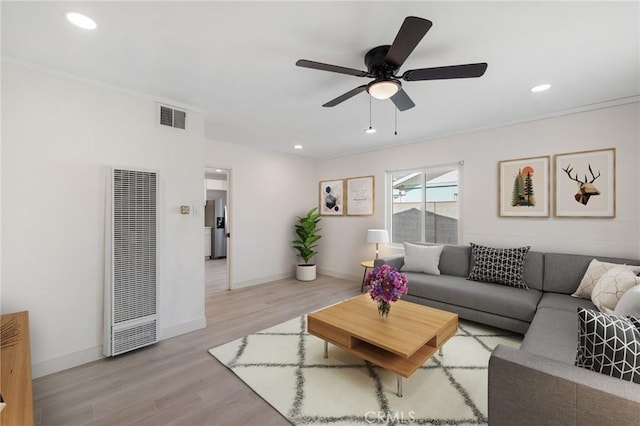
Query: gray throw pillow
[419,258]
[499,265]
[609,344]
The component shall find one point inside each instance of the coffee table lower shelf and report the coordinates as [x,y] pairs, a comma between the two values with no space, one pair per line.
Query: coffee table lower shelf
[402,365]
[386,360]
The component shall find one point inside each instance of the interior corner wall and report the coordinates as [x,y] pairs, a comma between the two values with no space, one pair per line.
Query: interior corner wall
[481,151]
[59,136]
[267,192]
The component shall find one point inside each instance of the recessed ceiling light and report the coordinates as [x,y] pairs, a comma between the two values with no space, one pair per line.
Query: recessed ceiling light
[218,170]
[540,88]
[82,21]
[297,147]
[370,130]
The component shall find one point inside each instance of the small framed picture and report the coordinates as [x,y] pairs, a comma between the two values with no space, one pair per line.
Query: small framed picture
[332,197]
[524,187]
[360,196]
[586,184]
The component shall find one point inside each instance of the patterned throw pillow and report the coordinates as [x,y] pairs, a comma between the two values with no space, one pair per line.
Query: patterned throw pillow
[499,265]
[609,344]
[612,286]
[594,272]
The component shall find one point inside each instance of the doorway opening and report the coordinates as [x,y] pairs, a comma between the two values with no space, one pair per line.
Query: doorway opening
[216,229]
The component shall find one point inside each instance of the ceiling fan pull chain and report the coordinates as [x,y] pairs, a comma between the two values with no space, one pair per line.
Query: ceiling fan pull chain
[395,114]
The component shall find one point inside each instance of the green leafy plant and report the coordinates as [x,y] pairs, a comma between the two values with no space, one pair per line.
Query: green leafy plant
[307,229]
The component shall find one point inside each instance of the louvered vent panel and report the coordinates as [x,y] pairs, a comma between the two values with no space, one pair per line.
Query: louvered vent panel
[134,337]
[134,245]
[166,116]
[179,119]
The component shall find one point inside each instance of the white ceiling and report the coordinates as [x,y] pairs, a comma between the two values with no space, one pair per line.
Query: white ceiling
[235,62]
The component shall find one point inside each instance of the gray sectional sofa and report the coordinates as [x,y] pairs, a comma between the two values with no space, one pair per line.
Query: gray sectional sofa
[538,383]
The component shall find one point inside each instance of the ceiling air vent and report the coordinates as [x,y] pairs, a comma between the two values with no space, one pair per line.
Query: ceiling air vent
[172,117]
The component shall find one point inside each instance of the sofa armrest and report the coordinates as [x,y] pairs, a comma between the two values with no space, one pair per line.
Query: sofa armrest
[393,261]
[527,389]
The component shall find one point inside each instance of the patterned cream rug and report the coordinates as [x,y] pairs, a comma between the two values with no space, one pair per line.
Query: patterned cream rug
[286,366]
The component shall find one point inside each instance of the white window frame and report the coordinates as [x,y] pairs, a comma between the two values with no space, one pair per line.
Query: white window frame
[423,170]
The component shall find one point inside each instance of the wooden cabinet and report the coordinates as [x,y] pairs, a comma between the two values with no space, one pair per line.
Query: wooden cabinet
[15,379]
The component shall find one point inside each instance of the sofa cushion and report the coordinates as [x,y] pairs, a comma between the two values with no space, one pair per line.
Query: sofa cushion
[487,297]
[533,269]
[455,260]
[564,302]
[630,303]
[553,333]
[594,273]
[612,286]
[563,272]
[609,344]
[498,265]
[421,258]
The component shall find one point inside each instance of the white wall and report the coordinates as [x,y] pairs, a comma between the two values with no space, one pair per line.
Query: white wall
[58,137]
[267,192]
[610,127]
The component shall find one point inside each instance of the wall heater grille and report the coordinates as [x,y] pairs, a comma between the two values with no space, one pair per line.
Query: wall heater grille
[131,284]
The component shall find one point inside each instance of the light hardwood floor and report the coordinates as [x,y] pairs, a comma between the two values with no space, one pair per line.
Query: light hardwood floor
[215,275]
[176,381]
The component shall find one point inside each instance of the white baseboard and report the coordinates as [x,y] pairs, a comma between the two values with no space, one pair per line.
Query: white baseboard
[44,368]
[261,280]
[184,328]
[343,276]
[50,366]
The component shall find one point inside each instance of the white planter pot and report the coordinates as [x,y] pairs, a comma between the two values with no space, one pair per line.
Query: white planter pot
[306,272]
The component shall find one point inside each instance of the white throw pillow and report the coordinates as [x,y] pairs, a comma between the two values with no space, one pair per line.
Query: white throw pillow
[629,304]
[419,258]
[595,271]
[611,287]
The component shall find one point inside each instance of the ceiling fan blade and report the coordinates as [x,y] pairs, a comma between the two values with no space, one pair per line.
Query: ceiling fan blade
[345,96]
[332,68]
[442,73]
[411,32]
[402,101]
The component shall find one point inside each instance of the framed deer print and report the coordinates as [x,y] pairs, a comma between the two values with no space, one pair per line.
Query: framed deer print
[524,187]
[586,183]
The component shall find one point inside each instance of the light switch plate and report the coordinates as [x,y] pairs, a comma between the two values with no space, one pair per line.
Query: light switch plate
[185,209]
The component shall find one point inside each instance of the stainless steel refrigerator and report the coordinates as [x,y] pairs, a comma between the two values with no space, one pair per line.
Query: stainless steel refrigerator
[219,229]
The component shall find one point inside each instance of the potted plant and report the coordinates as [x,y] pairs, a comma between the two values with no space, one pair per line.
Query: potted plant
[306,230]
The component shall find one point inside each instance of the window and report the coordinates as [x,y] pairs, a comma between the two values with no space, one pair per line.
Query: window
[424,205]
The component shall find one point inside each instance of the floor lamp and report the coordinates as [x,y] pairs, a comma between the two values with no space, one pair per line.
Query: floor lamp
[377,236]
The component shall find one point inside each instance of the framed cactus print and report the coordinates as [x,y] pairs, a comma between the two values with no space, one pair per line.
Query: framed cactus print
[586,184]
[524,187]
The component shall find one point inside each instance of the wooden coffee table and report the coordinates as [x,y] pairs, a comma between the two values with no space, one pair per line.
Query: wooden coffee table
[400,343]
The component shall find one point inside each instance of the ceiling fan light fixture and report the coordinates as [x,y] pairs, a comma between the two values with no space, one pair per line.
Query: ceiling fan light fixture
[383,89]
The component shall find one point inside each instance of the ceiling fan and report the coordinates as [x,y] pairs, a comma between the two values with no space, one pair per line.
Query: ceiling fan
[384,61]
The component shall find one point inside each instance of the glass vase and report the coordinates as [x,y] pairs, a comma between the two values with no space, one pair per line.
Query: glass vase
[383,309]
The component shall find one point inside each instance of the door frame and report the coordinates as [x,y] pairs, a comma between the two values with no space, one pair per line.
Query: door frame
[229,230]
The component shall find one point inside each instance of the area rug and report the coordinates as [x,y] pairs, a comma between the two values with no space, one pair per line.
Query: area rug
[286,367]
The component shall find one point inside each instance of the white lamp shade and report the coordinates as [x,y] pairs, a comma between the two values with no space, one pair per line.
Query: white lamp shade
[377,236]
